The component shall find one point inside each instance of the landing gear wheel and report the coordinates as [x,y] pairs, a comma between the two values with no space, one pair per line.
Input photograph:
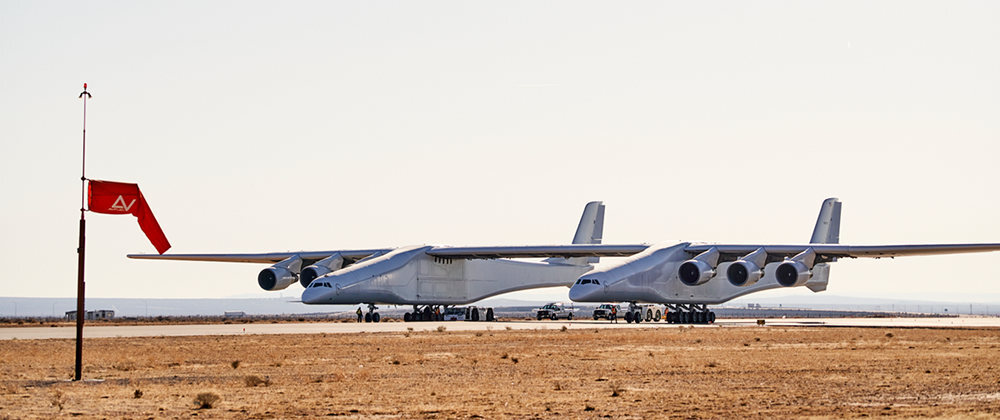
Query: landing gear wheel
[649,315]
[637,317]
[711,317]
[475,314]
[489,315]
[368,317]
[628,317]
[569,317]
[685,317]
[658,316]
[376,317]
[406,317]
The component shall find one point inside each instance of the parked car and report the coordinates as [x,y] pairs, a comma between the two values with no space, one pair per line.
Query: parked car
[554,311]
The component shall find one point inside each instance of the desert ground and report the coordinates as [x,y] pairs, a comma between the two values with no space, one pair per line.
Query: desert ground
[715,372]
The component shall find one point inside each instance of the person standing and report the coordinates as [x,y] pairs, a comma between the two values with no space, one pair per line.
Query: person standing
[614,313]
[359,314]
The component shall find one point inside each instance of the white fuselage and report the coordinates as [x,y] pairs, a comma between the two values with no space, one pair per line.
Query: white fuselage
[652,276]
[408,276]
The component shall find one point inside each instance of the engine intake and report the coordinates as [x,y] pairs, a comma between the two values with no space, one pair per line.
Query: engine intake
[744,273]
[797,270]
[792,273]
[747,270]
[275,278]
[280,275]
[699,269]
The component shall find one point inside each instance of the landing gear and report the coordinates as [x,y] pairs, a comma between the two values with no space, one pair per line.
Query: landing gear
[694,313]
[427,313]
[371,315]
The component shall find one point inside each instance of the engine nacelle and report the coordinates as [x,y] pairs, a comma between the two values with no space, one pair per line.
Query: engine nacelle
[744,273]
[792,273]
[275,278]
[280,275]
[695,272]
[321,268]
[699,269]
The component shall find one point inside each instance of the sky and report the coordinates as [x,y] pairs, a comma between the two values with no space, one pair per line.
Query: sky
[267,126]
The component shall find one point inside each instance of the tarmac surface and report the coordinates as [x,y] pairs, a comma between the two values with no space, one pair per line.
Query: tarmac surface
[38,333]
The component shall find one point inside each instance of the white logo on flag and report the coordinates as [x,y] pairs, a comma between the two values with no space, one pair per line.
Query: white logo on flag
[120,204]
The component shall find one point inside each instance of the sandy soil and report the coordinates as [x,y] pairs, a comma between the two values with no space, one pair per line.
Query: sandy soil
[579,373]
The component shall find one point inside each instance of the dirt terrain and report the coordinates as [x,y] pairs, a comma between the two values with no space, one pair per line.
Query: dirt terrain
[577,373]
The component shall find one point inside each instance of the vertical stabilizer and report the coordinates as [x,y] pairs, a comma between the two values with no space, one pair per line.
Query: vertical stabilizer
[590,230]
[827,230]
[591,226]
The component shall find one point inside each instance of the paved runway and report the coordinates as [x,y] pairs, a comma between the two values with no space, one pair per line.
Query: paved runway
[35,333]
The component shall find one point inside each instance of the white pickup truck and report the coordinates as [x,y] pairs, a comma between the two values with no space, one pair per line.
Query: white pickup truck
[554,311]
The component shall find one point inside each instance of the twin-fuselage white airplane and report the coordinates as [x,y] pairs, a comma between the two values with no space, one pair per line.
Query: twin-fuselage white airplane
[427,277]
[686,277]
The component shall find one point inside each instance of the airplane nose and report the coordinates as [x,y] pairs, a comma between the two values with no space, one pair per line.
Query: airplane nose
[311,295]
[580,293]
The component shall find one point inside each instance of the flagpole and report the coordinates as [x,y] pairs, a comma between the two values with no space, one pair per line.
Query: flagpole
[80,310]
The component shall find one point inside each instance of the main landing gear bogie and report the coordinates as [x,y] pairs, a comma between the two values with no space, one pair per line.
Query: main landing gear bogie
[689,314]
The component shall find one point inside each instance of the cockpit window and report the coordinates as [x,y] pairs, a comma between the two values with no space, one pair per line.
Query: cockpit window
[586,281]
[596,282]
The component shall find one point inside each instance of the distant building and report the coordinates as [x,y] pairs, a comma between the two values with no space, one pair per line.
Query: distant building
[92,315]
[235,314]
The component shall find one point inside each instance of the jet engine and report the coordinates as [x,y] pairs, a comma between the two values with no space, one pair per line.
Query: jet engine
[320,268]
[744,273]
[747,270]
[797,270]
[280,275]
[699,269]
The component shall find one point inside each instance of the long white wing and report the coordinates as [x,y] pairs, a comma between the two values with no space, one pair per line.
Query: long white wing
[480,252]
[262,258]
[829,252]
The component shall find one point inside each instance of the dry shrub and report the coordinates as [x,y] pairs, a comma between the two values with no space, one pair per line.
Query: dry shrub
[124,367]
[58,399]
[137,393]
[207,400]
[479,333]
[235,364]
[441,328]
[616,390]
[254,380]
[563,329]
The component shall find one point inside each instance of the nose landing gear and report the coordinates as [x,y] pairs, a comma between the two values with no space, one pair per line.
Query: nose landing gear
[371,315]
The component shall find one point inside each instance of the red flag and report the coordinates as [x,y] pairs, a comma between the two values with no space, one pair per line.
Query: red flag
[120,198]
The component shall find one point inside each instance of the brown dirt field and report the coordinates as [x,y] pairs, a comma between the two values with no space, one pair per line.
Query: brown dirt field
[580,373]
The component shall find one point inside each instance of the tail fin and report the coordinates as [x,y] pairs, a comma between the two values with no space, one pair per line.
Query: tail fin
[827,230]
[591,226]
[589,231]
